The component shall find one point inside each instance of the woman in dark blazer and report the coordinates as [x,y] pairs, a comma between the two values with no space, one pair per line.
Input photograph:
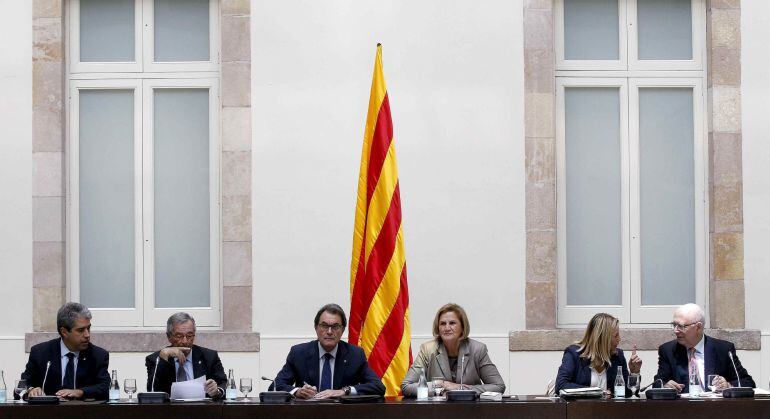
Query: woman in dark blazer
[594,360]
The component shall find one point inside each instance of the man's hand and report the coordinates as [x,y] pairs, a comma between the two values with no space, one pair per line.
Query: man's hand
[305,392]
[67,393]
[211,388]
[177,352]
[635,363]
[673,384]
[720,383]
[326,394]
[35,391]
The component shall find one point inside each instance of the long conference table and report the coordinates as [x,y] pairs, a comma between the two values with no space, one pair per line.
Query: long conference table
[524,407]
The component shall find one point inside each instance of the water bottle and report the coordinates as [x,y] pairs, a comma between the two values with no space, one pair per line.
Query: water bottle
[695,389]
[114,386]
[3,394]
[620,384]
[231,392]
[422,387]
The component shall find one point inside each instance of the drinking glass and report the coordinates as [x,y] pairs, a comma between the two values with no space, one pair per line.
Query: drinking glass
[710,382]
[438,386]
[633,384]
[21,388]
[246,387]
[129,386]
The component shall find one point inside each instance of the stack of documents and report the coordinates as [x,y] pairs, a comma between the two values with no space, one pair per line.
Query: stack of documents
[581,392]
[491,396]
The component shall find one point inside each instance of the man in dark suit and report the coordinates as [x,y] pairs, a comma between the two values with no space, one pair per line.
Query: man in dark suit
[78,369]
[182,360]
[328,367]
[694,352]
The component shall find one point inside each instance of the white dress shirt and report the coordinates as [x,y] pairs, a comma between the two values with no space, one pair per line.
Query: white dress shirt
[65,360]
[599,379]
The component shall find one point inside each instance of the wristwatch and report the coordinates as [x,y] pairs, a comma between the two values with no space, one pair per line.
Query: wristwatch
[346,389]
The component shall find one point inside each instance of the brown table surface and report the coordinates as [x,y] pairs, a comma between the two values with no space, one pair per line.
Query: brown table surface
[661,409]
[526,407]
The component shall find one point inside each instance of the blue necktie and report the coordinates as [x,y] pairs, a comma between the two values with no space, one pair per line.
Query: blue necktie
[326,374]
[69,372]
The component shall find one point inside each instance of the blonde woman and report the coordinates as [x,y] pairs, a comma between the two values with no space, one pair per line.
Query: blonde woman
[594,360]
[451,347]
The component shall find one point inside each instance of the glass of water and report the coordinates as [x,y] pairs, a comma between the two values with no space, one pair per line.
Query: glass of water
[633,384]
[710,381]
[129,386]
[21,388]
[246,387]
[438,386]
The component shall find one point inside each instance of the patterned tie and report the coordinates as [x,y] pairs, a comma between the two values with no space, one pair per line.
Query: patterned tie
[326,373]
[69,372]
[693,364]
[181,374]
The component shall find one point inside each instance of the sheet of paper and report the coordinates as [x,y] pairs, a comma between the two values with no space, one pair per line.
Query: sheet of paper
[191,389]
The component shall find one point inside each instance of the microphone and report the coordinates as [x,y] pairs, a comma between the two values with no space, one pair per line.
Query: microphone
[730,354]
[271,380]
[648,385]
[45,377]
[155,370]
[740,391]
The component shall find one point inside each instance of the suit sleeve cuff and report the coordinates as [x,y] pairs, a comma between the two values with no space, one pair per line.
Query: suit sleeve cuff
[294,390]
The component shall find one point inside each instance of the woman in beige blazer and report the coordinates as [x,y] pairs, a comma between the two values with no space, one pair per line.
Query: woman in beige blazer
[443,356]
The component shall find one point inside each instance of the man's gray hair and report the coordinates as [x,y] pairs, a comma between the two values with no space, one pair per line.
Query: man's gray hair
[693,311]
[178,318]
[68,315]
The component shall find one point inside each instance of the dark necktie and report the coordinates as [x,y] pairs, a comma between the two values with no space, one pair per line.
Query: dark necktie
[69,372]
[181,374]
[326,373]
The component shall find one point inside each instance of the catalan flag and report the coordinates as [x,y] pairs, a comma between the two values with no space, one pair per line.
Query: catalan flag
[379,296]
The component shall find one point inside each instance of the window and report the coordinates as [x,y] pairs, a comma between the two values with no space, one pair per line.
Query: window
[631,152]
[143,203]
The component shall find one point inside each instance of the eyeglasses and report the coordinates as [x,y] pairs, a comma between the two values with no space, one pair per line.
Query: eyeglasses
[682,327]
[179,336]
[336,327]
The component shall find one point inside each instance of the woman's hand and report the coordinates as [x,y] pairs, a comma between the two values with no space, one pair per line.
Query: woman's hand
[635,363]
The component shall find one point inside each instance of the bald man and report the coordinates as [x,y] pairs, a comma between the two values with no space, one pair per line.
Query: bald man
[692,350]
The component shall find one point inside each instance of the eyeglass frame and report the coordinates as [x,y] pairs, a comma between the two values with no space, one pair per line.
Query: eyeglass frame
[682,327]
[188,336]
[336,327]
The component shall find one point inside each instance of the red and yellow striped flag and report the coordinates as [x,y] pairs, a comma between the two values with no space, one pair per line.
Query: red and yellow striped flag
[379,296]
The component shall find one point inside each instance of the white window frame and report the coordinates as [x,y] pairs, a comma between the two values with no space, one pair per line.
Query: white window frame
[144,54]
[204,316]
[632,312]
[142,76]
[150,65]
[73,45]
[563,64]
[698,13]
[662,313]
[145,314]
[111,316]
[580,314]
[628,46]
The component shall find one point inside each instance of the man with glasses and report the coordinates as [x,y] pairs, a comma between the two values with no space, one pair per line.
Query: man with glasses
[328,367]
[694,352]
[182,360]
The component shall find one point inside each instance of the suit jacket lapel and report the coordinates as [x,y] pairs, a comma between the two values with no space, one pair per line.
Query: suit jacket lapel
[709,358]
[197,363]
[83,361]
[443,362]
[340,362]
[311,365]
[681,374]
